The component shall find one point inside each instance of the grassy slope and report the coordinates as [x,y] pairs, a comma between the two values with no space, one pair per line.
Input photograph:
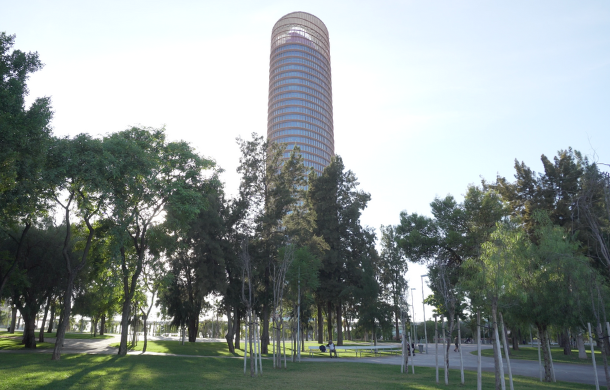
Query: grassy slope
[221,349]
[531,353]
[35,371]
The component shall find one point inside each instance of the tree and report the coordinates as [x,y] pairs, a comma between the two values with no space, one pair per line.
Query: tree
[593,205]
[551,277]
[493,277]
[24,137]
[270,188]
[197,265]
[338,204]
[393,269]
[75,171]
[147,176]
[446,241]
[97,293]
[553,191]
[36,277]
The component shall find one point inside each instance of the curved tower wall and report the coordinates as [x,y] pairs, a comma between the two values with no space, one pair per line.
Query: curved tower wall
[300,89]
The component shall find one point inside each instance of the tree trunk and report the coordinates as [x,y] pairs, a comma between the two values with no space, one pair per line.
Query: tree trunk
[349,331]
[250,341]
[134,329]
[264,339]
[230,332]
[339,327]
[29,329]
[567,348]
[603,341]
[320,332]
[44,320]
[374,335]
[498,365]
[145,319]
[61,318]
[396,324]
[193,324]
[580,342]
[450,324]
[126,313]
[52,319]
[542,333]
[329,321]
[13,319]
[65,318]
[237,326]
[103,325]
[128,293]
[505,331]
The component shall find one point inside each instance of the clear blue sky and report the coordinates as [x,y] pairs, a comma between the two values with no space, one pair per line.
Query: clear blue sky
[428,96]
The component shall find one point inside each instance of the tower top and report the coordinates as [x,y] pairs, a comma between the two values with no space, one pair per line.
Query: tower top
[301,24]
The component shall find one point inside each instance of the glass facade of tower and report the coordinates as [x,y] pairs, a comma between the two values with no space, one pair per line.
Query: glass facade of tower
[300,89]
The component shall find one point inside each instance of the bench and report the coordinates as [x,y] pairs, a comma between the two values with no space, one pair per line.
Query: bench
[360,348]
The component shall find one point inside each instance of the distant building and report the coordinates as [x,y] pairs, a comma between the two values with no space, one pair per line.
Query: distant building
[300,89]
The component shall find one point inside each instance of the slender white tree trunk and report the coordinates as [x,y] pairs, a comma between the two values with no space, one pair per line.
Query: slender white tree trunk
[255,340]
[510,372]
[445,358]
[501,365]
[479,374]
[539,357]
[412,357]
[436,345]
[260,351]
[593,358]
[459,338]
[245,347]
[284,344]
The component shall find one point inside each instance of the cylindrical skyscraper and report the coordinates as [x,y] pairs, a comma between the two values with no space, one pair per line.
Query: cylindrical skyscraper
[300,89]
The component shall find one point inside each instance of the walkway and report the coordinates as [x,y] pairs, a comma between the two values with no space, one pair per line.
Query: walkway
[579,373]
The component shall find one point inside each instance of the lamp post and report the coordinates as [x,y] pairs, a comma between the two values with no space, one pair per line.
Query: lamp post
[414,332]
[424,308]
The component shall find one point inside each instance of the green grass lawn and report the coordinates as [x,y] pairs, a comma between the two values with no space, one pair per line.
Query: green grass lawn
[82,372]
[19,333]
[221,349]
[531,353]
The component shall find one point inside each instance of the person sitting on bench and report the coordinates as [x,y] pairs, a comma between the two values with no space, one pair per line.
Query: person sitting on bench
[331,348]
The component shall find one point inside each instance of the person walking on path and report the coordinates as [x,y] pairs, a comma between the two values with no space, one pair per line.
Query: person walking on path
[457,345]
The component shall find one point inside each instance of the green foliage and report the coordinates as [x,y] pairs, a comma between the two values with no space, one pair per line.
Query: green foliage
[25,135]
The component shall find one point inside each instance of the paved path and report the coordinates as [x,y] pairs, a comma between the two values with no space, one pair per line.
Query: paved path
[579,373]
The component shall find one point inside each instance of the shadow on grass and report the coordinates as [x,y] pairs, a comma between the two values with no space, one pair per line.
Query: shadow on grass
[158,372]
[15,344]
[175,347]
[70,336]
[531,353]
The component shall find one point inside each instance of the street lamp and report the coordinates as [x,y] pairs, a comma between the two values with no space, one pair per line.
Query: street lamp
[424,308]
[414,333]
